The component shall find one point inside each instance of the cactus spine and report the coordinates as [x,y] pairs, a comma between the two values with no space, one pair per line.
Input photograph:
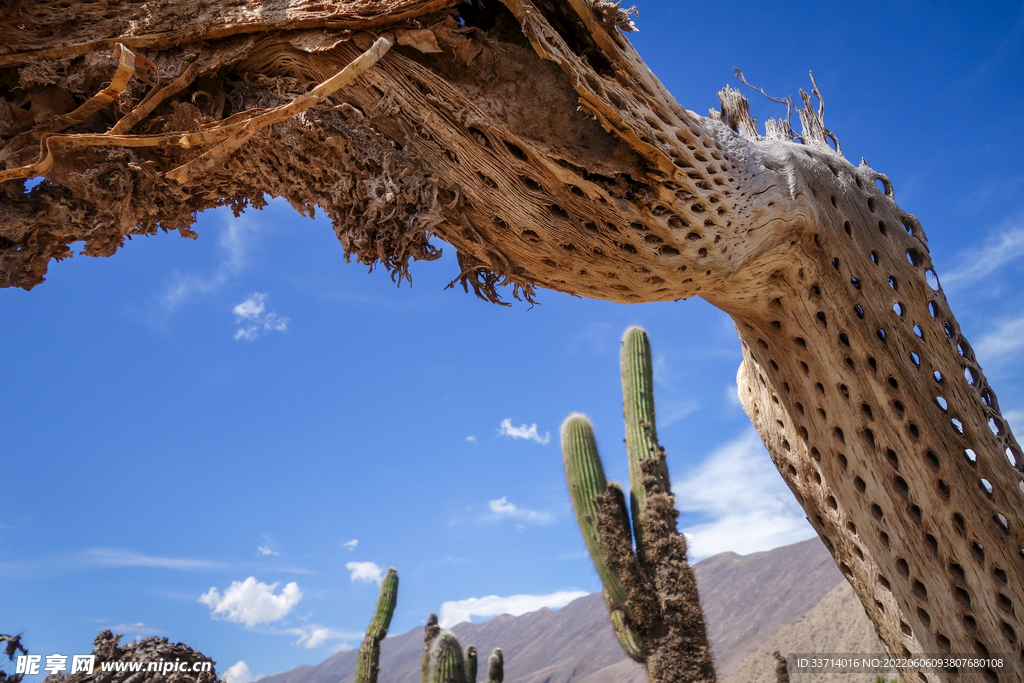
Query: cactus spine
[496,667]
[651,593]
[368,665]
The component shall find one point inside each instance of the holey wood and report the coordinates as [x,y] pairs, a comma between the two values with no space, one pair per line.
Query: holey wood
[532,138]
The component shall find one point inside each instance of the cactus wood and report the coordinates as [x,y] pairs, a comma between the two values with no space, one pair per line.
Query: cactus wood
[651,593]
[368,665]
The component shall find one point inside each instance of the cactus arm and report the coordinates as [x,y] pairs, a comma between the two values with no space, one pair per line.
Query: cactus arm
[446,662]
[629,639]
[368,664]
[496,667]
[638,411]
[470,664]
[585,477]
[430,632]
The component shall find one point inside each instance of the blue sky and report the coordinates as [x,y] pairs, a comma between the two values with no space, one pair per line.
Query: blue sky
[221,442]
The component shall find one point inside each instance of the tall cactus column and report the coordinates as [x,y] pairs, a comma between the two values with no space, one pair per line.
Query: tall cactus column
[368,665]
[651,593]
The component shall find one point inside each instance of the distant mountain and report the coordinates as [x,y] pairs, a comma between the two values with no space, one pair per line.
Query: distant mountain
[747,600]
[836,624]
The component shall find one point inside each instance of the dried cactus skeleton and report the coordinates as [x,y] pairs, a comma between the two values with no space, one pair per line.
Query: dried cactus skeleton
[590,180]
[651,591]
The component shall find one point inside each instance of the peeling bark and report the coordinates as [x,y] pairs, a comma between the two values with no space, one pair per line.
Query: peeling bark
[532,138]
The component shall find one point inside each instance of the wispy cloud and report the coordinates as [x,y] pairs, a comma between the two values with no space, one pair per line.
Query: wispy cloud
[523,432]
[315,635]
[1015,418]
[117,557]
[456,611]
[1007,246]
[1007,338]
[234,245]
[471,439]
[254,320]
[252,602]
[502,509]
[101,558]
[732,395]
[367,572]
[135,630]
[747,506]
[351,545]
[596,337]
[670,412]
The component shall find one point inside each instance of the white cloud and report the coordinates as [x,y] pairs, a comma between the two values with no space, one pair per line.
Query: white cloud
[239,673]
[456,611]
[315,636]
[747,505]
[265,550]
[471,439]
[251,602]
[254,319]
[1007,338]
[252,308]
[523,432]
[501,508]
[351,545]
[367,572]
[1008,246]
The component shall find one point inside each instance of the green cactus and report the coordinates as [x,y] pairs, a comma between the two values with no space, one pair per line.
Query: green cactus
[368,665]
[446,662]
[650,590]
[430,632]
[470,657]
[496,667]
